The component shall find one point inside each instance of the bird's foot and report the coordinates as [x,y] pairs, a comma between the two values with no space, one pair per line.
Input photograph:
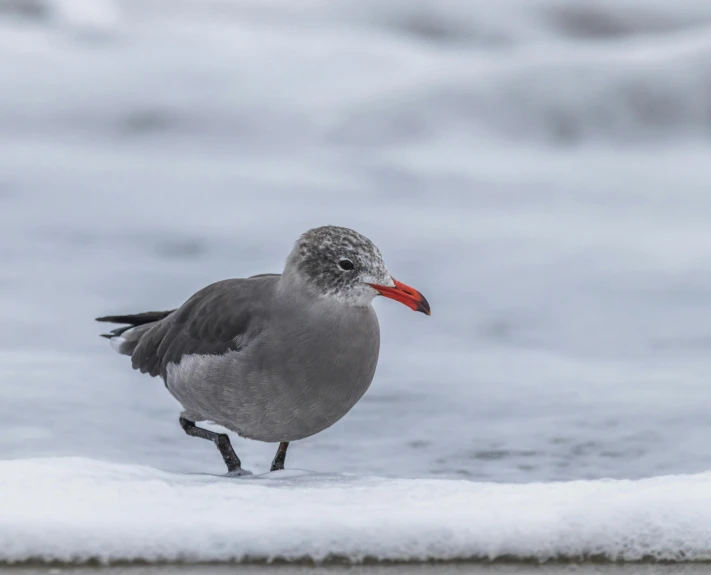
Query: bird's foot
[239,472]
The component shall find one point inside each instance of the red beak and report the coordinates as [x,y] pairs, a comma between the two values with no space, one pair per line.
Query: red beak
[405,294]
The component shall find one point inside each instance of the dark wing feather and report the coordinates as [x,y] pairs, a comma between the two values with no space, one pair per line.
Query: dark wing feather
[131,321]
[220,318]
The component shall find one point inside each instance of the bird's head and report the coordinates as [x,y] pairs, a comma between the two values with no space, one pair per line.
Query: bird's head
[341,264]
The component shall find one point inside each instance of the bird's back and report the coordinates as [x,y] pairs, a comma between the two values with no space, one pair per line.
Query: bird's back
[219,318]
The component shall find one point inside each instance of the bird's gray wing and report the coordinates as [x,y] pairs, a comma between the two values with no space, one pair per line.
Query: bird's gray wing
[222,317]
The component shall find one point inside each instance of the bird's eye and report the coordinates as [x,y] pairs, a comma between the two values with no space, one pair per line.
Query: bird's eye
[346,265]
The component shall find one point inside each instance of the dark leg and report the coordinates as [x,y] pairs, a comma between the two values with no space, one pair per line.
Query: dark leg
[280,456]
[221,440]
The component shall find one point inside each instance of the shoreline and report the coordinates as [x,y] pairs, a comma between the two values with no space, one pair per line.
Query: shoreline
[337,562]
[453,568]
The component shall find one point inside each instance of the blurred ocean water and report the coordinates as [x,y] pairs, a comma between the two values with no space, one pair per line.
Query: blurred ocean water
[540,169]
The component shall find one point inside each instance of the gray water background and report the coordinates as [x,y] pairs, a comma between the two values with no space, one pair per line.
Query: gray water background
[542,173]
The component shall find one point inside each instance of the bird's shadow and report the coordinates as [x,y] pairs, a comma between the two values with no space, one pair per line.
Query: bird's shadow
[284,477]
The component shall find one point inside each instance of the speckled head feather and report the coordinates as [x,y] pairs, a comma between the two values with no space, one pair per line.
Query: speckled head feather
[339,262]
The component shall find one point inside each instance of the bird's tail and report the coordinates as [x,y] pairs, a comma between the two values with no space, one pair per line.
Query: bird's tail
[124,339]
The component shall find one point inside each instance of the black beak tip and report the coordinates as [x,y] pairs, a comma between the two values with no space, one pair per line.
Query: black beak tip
[424,306]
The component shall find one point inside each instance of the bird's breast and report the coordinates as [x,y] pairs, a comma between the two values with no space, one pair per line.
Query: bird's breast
[335,352]
[325,371]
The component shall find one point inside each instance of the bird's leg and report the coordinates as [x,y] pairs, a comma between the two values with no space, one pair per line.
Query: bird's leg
[280,456]
[221,440]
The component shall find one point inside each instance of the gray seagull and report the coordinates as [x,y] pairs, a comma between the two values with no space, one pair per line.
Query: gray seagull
[273,357]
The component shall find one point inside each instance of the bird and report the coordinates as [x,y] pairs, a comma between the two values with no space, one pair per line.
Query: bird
[272,357]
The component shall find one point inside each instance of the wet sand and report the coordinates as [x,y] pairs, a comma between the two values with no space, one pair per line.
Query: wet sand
[423,569]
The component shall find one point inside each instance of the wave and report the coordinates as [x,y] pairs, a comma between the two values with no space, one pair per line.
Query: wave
[72,510]
[637,93]
[519,71]
[478,22]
